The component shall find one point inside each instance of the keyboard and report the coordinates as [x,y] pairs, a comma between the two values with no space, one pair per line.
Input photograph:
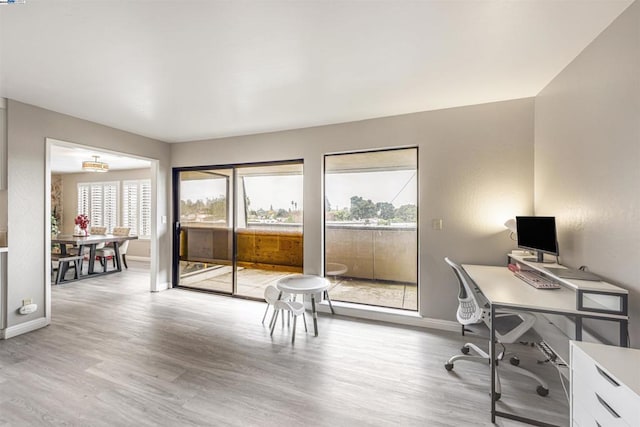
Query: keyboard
[536,280]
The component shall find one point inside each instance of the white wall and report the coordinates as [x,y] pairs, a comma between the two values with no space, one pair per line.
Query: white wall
[475,171]
[587,159]
[28,127]
[70,181]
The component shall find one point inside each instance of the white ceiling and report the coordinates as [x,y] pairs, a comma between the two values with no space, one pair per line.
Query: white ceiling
[67,159]
[187,70]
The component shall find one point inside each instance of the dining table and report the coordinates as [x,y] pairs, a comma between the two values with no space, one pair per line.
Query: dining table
[91,241]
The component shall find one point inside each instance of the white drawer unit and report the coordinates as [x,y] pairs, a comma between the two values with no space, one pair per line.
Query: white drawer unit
[605,385]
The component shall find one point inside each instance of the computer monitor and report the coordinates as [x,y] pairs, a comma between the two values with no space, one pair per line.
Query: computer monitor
[537,233]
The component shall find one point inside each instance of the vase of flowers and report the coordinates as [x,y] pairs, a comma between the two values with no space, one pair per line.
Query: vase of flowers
[82,223]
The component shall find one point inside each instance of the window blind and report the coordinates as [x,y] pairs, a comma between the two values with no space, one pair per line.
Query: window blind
[99,201]
[145,208]
[136,207]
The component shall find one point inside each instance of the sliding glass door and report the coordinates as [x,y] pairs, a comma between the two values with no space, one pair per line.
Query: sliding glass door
[239,228]
[204,234]
[269,225]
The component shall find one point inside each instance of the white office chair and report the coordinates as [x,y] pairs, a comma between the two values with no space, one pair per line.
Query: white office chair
[509,326]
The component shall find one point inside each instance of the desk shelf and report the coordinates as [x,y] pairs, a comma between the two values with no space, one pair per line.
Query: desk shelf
[591,296]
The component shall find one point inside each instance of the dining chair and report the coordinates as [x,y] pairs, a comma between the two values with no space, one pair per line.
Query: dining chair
[109,252]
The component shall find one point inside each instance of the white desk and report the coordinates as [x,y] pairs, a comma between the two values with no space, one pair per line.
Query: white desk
[304,284]
[503,290]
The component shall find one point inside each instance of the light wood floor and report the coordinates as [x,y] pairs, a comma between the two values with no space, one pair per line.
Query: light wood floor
[116,354]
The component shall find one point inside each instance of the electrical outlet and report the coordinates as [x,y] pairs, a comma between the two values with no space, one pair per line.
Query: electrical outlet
[27,301]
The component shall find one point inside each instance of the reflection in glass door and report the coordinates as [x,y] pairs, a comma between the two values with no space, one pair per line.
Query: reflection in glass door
[204,233]
[239,228]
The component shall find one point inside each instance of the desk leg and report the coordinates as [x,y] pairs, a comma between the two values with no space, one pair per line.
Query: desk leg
[624,335]
[578,322]
[492,352]
[315,314]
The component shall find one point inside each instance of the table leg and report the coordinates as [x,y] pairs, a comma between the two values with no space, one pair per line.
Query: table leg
[92,258]
[492,352]
[116,250]
[315,314]
[81,253]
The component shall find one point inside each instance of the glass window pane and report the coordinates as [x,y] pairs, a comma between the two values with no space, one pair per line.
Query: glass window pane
[206,239]
[269,225]
[371,212]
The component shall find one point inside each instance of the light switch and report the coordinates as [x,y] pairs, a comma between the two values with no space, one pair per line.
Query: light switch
[436,224]
[163,219]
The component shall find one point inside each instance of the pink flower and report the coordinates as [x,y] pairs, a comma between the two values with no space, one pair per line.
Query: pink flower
[82,220]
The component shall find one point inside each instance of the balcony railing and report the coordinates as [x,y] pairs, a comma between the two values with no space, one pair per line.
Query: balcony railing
[368,252]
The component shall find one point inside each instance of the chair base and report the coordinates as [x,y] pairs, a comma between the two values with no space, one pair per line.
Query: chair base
[542,389]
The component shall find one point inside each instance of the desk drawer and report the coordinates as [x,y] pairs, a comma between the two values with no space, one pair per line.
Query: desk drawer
[591,410]
[591,379]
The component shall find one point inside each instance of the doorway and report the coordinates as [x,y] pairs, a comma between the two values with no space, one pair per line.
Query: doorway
[123,195]
[238,227]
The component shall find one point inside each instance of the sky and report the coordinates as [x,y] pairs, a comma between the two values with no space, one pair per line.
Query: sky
[398,187]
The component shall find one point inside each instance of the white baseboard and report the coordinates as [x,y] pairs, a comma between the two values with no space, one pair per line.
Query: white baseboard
[138,258]
[23,328]
[399,317]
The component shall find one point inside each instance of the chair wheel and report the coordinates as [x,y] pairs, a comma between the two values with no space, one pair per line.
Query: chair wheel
[497,396]
[514,361]
[448,366]
[465,350]
[542,391]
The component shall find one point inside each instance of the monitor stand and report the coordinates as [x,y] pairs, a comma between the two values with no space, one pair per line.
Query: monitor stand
[539,258]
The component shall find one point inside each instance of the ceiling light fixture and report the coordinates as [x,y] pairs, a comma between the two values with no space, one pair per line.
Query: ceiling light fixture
[95,165]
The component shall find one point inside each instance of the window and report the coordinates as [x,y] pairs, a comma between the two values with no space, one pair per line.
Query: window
[371,227]
[99,201]
[136,207]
